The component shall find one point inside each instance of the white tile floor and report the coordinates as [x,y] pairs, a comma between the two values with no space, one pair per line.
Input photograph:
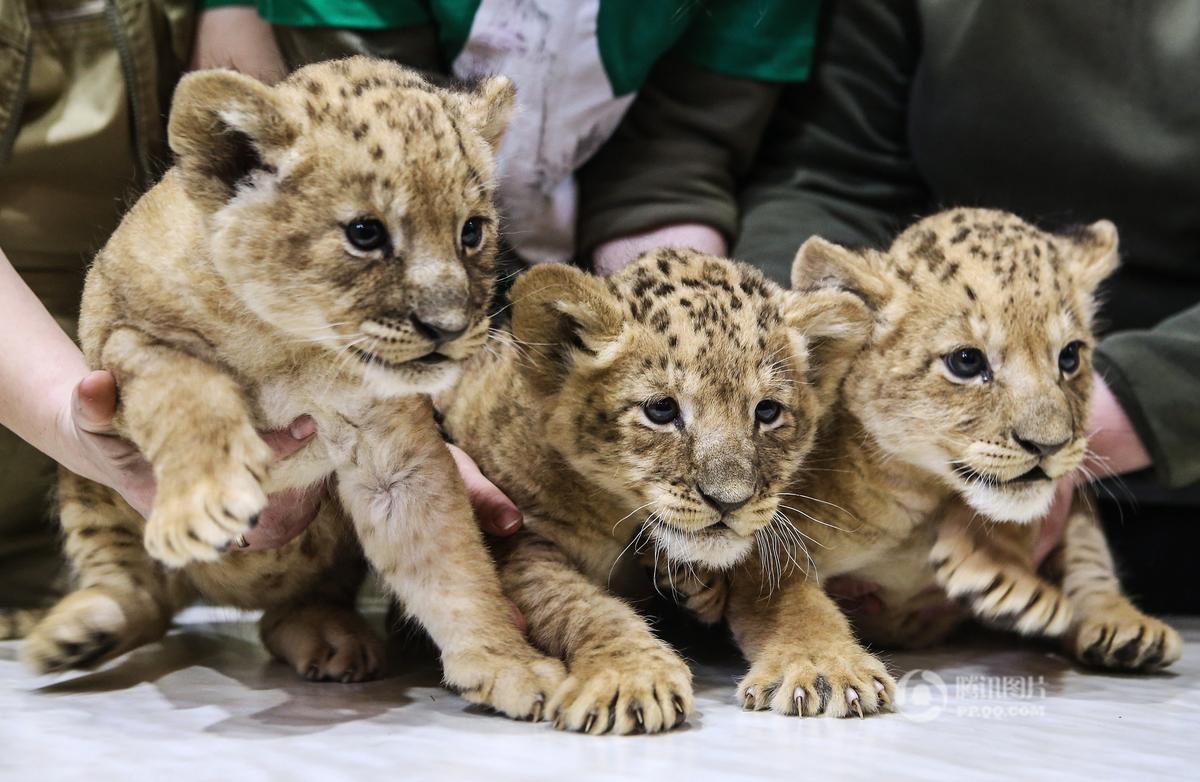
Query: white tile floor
[207,704]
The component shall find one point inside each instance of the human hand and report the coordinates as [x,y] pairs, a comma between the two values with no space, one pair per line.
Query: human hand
[1113,448]
[496,513]
[116,462]
[237,37]
[615,254]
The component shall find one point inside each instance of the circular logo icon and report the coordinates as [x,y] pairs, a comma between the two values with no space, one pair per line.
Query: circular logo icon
[921,695]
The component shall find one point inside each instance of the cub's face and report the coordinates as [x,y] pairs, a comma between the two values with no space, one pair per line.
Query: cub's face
[351,207]
[980,367]
[688,386]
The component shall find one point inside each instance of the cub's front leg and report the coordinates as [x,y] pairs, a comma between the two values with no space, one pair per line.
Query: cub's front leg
[621,678]
[417,528]
[1108,631]
[191,421]
[988,567]
[804,659]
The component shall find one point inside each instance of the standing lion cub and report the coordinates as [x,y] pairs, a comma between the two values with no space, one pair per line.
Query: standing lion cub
[324,247]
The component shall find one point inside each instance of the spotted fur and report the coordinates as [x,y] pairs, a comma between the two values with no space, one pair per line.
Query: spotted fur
[556,413]
[232,298]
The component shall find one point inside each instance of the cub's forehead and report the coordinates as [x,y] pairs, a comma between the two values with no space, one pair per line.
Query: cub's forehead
[991,268]
[704,307]
[385,117]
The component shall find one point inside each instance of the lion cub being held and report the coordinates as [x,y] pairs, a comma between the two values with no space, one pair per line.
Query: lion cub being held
[323,247]
[972,393]
[668,405]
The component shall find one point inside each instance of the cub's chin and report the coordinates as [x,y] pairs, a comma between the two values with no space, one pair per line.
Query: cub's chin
[1021,502]
[385,379]
[717,550]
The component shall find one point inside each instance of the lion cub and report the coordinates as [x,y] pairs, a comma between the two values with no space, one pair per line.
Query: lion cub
[973,391]
[667,406]
[323,247]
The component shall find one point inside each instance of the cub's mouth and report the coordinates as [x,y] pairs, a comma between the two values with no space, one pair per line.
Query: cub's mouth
[431,358]
[1032,475]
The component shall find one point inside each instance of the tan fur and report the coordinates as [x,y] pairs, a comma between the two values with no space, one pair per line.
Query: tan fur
[17,622]
[232,299]
[910,446]
[555,414]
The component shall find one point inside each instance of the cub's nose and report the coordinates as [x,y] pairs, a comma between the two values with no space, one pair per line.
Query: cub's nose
[724,505]
[1039,449]
[435,332]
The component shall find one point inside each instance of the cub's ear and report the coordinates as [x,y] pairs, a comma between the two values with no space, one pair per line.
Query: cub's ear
[831,326]
[489,107]
[223,126]
[1093,253]
[823,264]
[560,312]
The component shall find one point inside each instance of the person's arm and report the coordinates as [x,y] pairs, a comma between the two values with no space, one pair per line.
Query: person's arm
[668,174]
[233,35]
[835,160]
[1154,377]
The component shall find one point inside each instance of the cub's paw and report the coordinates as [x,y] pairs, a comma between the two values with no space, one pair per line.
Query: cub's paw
[704,594]
[854,683]
[1116,636]
[201,508]
[1009,598]
[517,684]
[624,692]
[85,629]
[325,644]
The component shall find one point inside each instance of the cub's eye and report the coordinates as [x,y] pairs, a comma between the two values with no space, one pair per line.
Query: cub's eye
[366,234]
[967,363]
[1068,359]
[661,411]
[472,233]
[767,411]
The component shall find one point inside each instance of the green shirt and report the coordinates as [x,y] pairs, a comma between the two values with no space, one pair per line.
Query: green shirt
[768,40]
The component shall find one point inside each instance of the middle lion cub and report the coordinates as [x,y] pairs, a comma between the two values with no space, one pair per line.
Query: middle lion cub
[670,403]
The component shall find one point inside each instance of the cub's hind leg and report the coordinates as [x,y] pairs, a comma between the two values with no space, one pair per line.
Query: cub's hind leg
[123,599]
[321,635]
[323,640]
[987,567]
[1108,630]
[620,677]
[17,622]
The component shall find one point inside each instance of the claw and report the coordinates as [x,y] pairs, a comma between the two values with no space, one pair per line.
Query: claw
[639,717]
[749,703]
[798,697]
[589,722]
[536,714]
[854,702]
[680,711]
